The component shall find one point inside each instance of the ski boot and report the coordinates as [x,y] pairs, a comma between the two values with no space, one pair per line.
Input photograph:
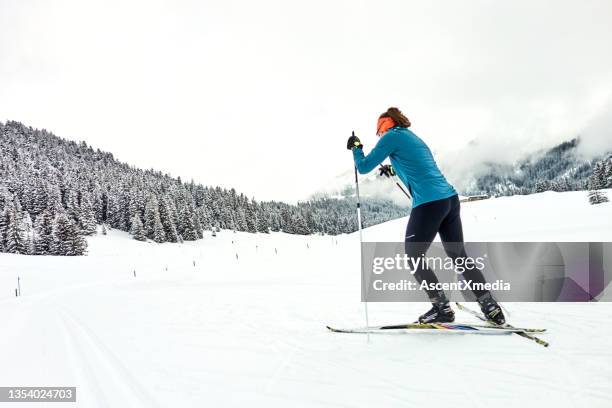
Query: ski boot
[440,312]
[491,309]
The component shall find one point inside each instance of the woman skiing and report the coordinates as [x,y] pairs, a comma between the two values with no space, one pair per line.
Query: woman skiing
[435,207]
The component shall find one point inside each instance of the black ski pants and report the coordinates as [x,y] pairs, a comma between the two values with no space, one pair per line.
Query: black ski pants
[427,220]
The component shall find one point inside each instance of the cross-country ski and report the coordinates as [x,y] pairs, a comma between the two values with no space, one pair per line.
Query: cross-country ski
[523,333]
[436,328]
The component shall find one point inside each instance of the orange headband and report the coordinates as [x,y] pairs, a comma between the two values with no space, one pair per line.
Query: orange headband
[383,125]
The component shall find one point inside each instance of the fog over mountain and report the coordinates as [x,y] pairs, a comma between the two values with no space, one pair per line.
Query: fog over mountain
[499,157]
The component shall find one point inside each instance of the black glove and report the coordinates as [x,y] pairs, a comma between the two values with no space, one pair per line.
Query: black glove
[387,170]
[353,142]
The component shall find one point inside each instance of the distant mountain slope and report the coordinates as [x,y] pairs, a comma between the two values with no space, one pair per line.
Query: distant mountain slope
[561,168]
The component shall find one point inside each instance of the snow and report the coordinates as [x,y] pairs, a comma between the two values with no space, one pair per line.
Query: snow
[251,330]
[542,217]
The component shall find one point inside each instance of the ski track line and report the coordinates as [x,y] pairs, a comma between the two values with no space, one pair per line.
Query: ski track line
[16,318]
[314,367]
[576,389]
[294,350]
[82,367]
[102,368]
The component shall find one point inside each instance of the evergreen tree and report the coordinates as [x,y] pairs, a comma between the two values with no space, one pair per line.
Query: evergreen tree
[262,220]
[203,218]
[251,218]
[16,239]
[167,220]
[137,230]
[609,174]
[541,186]
[67,239]
[30,248]
[600,173]
[72,206]
[276,223]
[114,212]
[159,235]
[596,182]
[54,198]
[299,226]
[4,223]
[151,217]
[87,217]
[43,231]
[554,186]
[14,232]
[189,229]
[198,226]
[240,223]
[97,203]
[34,197]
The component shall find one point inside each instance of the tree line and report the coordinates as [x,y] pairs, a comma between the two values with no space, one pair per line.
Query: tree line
[54,192]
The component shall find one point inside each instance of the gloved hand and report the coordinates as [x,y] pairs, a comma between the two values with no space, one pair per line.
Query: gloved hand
[387,170]
[353,142]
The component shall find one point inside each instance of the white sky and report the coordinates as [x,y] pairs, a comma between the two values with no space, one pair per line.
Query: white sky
[262,95]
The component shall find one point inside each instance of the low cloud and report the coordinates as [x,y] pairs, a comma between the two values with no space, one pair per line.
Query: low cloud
[596,138]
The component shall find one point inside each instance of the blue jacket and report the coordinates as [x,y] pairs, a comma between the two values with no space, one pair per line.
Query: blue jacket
[413,163]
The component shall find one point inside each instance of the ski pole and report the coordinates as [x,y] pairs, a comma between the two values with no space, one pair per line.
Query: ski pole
[363,286]
[393,176]
[403,191]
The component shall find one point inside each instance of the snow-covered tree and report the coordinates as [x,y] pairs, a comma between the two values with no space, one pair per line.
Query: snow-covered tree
[87,216]
[263,223]
[28,228]
[189,228]
[67,238]
[609,173]
[15,239]
[168,220]
[43,233]
[542,185]
[251,218]
[137,230]
[159,234]
[151,217]
[597,181]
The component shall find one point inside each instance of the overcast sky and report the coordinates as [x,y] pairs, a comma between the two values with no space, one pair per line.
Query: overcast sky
[262,95]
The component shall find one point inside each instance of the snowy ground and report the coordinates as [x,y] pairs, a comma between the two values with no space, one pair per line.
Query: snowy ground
[250,330]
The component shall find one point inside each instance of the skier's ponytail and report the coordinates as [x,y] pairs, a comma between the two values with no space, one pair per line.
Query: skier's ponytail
[398,117]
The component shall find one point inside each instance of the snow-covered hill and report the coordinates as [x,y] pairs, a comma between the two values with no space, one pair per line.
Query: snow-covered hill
[238,319]
[542,217]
